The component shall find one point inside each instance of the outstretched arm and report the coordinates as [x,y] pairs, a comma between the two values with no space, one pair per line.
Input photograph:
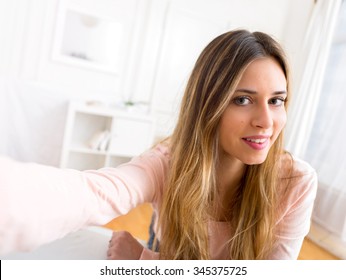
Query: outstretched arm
[39,204]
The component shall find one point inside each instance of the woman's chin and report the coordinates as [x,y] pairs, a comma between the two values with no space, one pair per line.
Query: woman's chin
[254,161]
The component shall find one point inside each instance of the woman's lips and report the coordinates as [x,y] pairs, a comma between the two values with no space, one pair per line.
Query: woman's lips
[258,142]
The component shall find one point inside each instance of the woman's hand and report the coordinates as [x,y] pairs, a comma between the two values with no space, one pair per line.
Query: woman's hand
[123,246]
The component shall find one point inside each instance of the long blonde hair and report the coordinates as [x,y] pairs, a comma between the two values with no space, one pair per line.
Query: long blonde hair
[192,183]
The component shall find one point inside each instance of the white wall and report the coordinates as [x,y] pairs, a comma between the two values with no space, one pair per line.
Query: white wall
[161,40]
[27,43]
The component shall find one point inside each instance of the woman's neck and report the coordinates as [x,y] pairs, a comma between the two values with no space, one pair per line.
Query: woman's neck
[229,176]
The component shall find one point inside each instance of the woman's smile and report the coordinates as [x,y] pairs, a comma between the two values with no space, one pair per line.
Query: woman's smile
[258,142]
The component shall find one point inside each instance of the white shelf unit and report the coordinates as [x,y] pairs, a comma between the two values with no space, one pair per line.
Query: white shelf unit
[129,134]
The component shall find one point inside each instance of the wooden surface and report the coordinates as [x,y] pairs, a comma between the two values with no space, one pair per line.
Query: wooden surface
[138,220]
[311,251]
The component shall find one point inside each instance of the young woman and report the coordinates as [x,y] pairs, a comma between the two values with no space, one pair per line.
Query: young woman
[221,186]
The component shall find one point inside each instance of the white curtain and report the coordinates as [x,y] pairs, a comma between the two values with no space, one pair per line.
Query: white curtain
[326,149]
[308,83]
[317,131]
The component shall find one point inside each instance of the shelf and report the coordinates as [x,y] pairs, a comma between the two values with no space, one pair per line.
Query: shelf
[110,111]
[120,134]
[86,150]
[120,154]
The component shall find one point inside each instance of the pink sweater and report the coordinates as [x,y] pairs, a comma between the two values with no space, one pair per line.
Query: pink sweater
[39,204]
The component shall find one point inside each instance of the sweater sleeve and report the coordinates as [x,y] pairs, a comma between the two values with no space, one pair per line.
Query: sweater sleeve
[39,204]
[294,223]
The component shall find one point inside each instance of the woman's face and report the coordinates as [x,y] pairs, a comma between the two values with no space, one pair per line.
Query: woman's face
[256,114]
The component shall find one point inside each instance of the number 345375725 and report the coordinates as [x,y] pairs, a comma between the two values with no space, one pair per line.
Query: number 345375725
[220,270]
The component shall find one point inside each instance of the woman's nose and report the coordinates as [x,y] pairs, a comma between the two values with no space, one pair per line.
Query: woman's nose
[262,117]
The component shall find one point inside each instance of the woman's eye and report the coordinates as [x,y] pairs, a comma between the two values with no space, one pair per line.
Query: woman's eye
[241,100]
[277,101]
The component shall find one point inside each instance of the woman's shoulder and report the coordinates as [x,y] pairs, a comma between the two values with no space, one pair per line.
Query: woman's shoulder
[297,177]
[296,196]
[159,151]
[291,167]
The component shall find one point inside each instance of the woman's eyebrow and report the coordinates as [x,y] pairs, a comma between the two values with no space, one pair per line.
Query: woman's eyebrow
[249,91]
